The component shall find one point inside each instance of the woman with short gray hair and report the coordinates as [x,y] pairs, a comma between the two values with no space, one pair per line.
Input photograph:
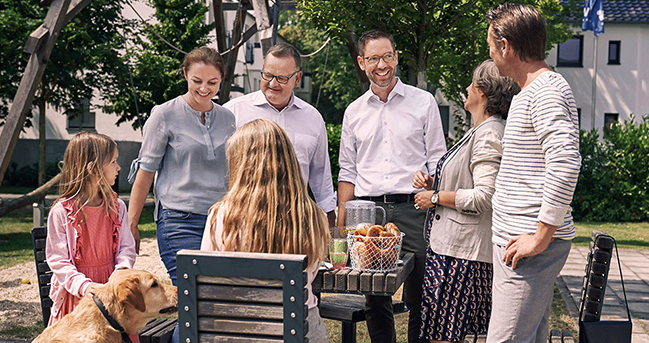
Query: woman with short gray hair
[457,284]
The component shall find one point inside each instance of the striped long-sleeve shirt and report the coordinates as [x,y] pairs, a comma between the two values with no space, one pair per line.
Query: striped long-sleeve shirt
[540,162]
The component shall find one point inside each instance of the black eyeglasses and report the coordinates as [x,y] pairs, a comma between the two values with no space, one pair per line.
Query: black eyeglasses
[280,78]
[387,58]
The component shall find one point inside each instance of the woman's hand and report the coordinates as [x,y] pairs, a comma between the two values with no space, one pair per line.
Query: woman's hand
[422,180]
[422,199]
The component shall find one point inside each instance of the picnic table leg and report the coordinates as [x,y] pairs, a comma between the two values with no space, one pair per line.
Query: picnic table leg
[348,332]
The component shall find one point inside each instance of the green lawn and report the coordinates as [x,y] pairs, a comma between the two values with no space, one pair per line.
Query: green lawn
[16,242]
[627,235]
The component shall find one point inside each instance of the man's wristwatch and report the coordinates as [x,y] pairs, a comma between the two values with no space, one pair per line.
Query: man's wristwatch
[435,197]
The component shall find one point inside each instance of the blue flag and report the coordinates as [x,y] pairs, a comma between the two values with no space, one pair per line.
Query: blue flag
[593,16]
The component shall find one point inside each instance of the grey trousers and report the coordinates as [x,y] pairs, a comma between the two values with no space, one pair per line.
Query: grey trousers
[522,297]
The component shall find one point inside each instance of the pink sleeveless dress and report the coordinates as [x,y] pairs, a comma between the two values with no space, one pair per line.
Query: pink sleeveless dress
[95,257]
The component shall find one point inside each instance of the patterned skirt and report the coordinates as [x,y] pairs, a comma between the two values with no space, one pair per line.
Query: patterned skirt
[456,297]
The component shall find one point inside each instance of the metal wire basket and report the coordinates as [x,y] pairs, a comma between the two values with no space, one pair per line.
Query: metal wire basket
[374,254]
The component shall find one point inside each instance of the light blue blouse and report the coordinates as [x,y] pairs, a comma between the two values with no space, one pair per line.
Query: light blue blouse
[189,157]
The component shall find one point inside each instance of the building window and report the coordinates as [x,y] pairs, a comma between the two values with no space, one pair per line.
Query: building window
[609,119]
[444,114]
[570,52]
[84,121]
[614,52]
[250,53]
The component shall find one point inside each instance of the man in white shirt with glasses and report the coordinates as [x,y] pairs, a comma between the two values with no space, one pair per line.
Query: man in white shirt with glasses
[302,122]
[388,133]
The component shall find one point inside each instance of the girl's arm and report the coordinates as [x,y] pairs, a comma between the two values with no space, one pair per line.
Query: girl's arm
[60,254]
[125,257]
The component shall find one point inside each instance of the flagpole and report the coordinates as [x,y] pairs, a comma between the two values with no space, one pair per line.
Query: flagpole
[594,88]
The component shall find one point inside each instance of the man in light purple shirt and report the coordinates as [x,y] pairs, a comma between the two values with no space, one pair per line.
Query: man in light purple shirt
[388,133]
[302,122]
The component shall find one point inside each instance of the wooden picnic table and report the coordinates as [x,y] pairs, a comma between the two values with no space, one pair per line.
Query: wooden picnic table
[347,280]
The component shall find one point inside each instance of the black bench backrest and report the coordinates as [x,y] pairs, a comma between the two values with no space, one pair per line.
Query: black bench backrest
[241,297]
[39,236]
[596,278]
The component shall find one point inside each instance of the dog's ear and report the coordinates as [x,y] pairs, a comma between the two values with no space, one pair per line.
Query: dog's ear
[128,292]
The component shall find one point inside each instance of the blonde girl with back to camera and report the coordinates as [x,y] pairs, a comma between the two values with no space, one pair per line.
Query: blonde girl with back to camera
[267,208]
[88,235]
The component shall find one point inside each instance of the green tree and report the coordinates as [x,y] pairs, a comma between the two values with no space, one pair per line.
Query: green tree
[439,42]
[155,65]
[334,84]
[85,58]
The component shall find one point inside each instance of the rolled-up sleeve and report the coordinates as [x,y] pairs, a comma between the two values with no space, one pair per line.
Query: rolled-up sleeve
[347,154]
[559,140]
[485,163]
[434,136]
[154,141]
[320,173]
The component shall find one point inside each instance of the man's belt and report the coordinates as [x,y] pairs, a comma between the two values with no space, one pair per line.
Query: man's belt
[391,198]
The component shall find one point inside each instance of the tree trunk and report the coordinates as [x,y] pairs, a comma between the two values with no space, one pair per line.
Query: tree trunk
[29,198]
[41,137]
[363,81]
[231,58]
[422,63]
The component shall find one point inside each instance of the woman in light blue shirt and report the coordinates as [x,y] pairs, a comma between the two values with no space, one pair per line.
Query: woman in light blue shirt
[184,144]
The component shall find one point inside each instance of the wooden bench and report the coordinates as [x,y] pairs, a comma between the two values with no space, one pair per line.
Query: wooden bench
[157,331]
[241,297]
[349,309]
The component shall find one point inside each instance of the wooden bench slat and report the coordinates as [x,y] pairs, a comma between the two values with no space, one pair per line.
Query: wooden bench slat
[340,283]
[353,279]
[43,267]
[221,309]
[39,243]
[233,293]
[240,326]
[40,256]
[238,281]
[157,329]
[223,338]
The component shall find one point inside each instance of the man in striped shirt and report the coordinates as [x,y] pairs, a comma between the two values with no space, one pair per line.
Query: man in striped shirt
[532,221]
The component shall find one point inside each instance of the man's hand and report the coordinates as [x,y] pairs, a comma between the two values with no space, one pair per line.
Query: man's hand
[331,218]
[422,180]
[522,246]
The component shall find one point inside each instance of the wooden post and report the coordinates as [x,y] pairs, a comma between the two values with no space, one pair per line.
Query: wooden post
[264,26]
[59,14]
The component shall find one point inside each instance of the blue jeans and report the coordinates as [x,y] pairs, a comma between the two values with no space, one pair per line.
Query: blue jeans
[178,230]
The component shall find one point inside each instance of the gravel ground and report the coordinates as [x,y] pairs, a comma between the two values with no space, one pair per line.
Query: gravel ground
[19,303]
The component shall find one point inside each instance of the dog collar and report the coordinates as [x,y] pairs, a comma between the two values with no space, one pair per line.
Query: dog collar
[111,320]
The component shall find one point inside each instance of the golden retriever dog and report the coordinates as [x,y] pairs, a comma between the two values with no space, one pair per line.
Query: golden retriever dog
[131,297]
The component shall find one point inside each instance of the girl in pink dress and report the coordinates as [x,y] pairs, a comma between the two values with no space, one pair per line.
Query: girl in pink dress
[88,235]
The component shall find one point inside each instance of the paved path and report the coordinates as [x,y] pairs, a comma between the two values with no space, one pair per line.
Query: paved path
[635,269]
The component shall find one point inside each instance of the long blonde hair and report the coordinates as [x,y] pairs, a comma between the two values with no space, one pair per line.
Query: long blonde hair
[86,155]
[267,207]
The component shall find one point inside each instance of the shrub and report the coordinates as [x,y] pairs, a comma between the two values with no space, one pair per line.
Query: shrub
[333,134]
[614,179]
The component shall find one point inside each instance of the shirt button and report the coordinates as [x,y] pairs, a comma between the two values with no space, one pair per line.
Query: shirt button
[386,159]
[385,141]
[386,177]
[385,123]
[437,217]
